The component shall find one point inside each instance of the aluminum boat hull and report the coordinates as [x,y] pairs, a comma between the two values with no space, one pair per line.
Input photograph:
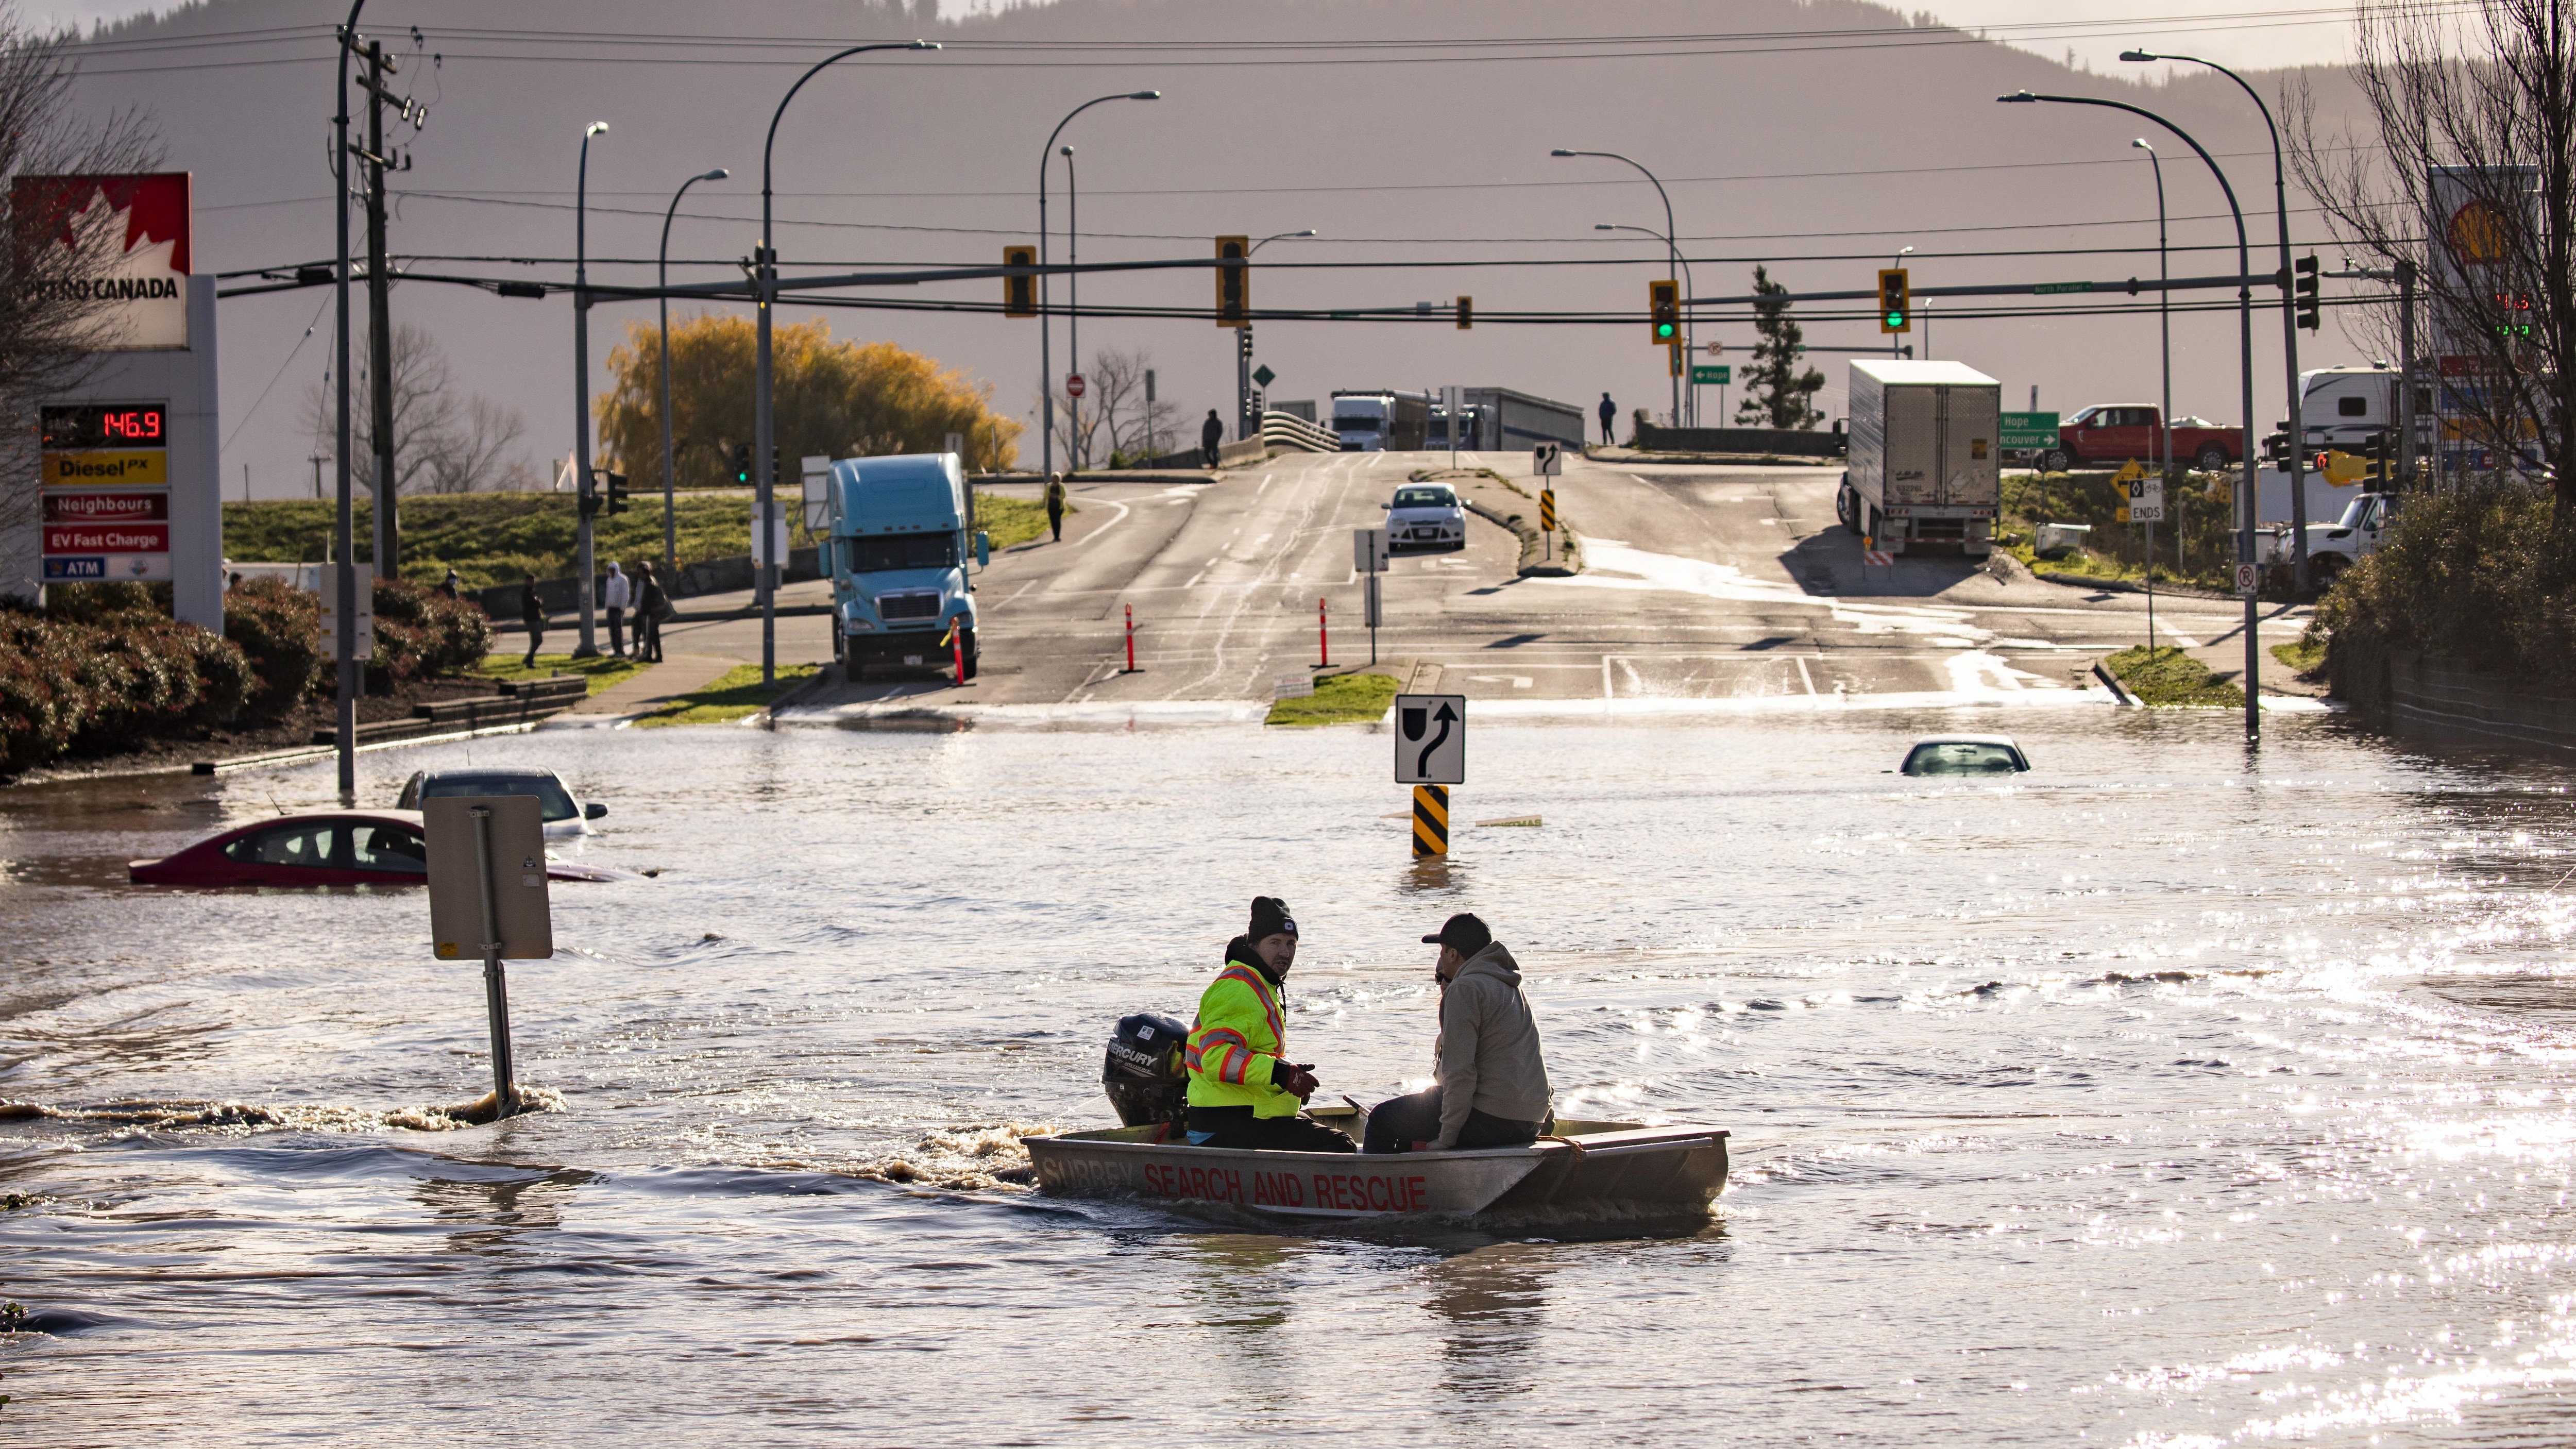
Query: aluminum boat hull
[1586,1167]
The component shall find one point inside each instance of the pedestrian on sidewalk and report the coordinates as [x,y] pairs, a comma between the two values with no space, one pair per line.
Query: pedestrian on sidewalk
[617,596]
[1609,419]
[1211,433]
[449,584]
[532,612]
[650,603]
[1055,504]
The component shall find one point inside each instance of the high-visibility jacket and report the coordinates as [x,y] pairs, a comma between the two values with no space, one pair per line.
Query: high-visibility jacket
[1239,1034]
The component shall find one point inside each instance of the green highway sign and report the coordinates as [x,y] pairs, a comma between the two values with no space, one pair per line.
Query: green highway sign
[2028,430]
[1712,374]
[1263,375]
[2050,289]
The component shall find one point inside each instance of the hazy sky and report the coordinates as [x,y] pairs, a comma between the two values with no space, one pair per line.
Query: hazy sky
[2302,32]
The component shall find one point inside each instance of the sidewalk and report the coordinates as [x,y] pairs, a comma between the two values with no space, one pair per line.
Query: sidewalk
[676,675]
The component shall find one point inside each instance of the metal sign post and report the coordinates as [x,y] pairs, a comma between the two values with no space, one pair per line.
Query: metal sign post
[1453,400]
[477,897]
[1368,560]
[1430,755]
[1547,460]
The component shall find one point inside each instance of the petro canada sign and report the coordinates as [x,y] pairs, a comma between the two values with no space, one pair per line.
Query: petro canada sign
[135,227]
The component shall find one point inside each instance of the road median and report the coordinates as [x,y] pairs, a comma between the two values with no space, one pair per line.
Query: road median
[1497,500]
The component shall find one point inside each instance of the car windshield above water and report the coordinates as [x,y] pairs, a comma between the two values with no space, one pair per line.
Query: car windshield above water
[1425,498]
[553,801]
[1965,757]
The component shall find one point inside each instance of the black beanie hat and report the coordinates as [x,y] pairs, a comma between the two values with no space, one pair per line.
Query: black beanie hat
[1270,918]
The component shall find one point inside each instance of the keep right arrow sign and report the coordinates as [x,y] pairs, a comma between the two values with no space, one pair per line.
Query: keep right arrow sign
[1431,739]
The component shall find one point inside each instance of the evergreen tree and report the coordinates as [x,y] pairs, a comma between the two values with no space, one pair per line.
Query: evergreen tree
[1777,392]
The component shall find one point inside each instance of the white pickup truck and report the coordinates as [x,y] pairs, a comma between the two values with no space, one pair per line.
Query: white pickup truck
[2334,547]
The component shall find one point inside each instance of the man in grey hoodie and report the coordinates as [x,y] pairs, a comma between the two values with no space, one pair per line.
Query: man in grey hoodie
[1493,1083]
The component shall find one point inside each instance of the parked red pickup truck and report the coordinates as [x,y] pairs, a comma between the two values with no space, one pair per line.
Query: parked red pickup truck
[2106,435]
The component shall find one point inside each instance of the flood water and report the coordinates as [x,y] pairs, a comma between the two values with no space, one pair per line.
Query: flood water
[2146,1100]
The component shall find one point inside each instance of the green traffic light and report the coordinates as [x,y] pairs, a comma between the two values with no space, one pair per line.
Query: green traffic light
[1895,319]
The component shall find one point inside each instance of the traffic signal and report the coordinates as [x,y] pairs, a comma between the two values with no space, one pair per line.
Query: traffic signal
[2306,292]
[1020,293]
[616,493]
[1895,300]
[1243,342]
[1234,281]
[586,497]
[1664,307]
[1466,313]
[742,463]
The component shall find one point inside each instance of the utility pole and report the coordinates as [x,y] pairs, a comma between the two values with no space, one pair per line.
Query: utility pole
[317,460]
[588,647]
[380,340]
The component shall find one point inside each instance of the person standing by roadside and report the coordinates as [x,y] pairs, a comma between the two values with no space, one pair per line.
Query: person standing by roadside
[619,593]
[649,604]
[1609,419]
[532,612]
[1492,1088]
[450,584]
[1055,504]
[1211,434]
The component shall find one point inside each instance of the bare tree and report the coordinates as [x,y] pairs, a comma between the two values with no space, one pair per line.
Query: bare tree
[1135,427]
[443,442]
[46,318]
[2471,179]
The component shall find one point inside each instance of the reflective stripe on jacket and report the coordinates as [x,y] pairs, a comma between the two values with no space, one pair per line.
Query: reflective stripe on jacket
[1234,1042]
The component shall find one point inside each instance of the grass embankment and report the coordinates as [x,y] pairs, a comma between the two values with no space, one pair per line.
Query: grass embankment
[737,694]
[500,538]
[2166,676]
[1340,699]
[604,670]
[2115,550]
[2304,657]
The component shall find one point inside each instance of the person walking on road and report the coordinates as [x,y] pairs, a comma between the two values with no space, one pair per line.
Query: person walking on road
[649,604]
[1055,504]
[1609,419]
[532,612]
[1243,1091]
[1492,1088]
[1211,433]
[618,594]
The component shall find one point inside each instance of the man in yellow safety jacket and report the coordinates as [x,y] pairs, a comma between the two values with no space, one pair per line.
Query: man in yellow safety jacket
[1244,1092]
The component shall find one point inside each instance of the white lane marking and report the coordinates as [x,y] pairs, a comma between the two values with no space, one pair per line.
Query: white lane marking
[1104,528]
[1803,675]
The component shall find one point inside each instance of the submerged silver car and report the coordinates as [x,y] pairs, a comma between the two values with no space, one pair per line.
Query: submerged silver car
[562,814]
[1964,755]
[1425,516]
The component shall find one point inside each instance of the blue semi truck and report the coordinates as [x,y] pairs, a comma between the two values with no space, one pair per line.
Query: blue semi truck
[898,534]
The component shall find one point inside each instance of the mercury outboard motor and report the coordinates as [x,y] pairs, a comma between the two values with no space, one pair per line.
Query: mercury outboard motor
[1143,1074]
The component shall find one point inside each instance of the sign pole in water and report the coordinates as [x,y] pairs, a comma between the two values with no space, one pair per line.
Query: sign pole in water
[475,896]
[1431,753]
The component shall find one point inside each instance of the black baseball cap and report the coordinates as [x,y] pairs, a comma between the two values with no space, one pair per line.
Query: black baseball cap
[1462,933]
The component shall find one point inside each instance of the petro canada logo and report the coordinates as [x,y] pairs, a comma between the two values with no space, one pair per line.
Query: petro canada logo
[132,235]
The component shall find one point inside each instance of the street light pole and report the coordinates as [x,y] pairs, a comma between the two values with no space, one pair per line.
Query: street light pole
[764,428]
[1672,259]
[589,646]
[1073,449]
[670,516]
[1245,424]
[1046,321]
[2245,379]
[345,570]
[2298,433]
[2164,413]
[1689,286]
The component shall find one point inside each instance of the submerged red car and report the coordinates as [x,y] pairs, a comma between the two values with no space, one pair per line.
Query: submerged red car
[325,848]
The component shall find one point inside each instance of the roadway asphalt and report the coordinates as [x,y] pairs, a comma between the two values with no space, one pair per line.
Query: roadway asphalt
[1705,587]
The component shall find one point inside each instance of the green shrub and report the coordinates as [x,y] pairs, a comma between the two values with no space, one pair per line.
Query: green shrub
[423,634]
[113,674]
[279,628]
[40,708]
[2479,573]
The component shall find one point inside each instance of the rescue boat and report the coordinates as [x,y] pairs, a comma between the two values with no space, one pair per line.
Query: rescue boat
[1581,1168]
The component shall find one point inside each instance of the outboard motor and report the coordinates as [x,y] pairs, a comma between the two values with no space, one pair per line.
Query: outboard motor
[1143,1074]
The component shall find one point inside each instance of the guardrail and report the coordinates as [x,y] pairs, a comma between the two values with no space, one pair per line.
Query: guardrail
[1287,430]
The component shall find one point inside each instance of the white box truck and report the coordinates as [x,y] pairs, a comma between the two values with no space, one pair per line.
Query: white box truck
[1924,468]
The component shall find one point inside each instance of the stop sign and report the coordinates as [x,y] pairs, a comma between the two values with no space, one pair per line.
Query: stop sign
[1073,385]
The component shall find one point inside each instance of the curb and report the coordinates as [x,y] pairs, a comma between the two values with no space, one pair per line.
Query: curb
[2123,586]
[767,719]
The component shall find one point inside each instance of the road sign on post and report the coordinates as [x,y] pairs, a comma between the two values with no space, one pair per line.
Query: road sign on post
[366,590]
[487,898]
[1368,550]
[1074,385]
[1430,739]
[1704,375]
[2249,579]
[1547,460]
[2028,430]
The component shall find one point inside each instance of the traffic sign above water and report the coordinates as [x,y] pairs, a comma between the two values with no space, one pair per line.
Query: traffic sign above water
[1431,739]
[1263,375]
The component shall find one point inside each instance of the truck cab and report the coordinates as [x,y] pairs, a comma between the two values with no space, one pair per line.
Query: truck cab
[1363,423]
[898,543]
[2334,547]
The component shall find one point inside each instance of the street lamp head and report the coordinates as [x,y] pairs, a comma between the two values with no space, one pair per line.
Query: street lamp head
[1906,252]
[923,45]
[1145,95]
[1603,226]
[719,174]
[1066,150]
[1561,151]
[2134,56]
[2018,98]
[2141,144]
[597,128]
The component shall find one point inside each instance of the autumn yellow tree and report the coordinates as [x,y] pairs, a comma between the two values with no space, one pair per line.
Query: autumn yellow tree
[834,399]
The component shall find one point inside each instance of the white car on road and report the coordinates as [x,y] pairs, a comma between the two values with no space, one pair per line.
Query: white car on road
[563,815]
[1425,516]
